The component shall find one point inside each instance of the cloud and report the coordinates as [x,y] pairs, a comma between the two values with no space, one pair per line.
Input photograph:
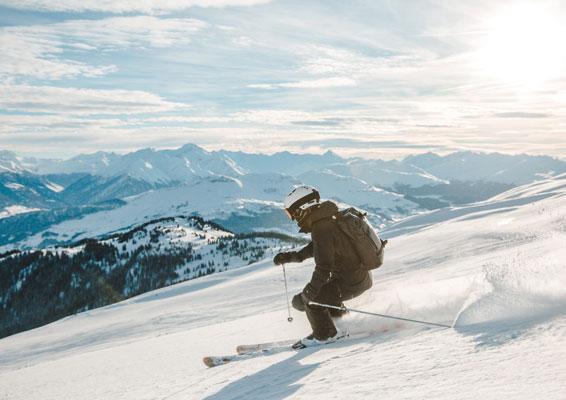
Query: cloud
[271,117]
[337,67]
[363,144]
[265,79]
[74,101]
[266,131]
[127,32]
[34,56]
[308,84]
[123,6]
[46,51]
[345,62]
[521,114]
[321,122]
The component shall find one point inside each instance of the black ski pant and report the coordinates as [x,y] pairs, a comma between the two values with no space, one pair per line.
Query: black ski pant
[334,292]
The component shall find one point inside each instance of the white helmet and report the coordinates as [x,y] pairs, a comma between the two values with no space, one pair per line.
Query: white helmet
[300,198]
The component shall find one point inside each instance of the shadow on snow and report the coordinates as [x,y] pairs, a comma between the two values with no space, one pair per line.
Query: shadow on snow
[277,381]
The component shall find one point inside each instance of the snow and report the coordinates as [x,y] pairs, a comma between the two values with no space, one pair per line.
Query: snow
[495,270]
[10,162]
[387,173]
[356,191]
[201,197]
[218,197]
[149,165]
[10,211]
[494,167]
[54,187]
[14,186]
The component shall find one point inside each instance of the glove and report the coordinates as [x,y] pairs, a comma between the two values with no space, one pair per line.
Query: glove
[286,257]
[298,302]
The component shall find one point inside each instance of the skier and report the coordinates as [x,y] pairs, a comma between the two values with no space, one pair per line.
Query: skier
[338,274]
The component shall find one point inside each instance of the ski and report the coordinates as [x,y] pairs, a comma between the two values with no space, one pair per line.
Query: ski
[246,352]
[214,361]
[261,350]
[252,348]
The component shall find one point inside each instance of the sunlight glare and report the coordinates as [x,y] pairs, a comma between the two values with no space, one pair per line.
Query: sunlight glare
[525,44]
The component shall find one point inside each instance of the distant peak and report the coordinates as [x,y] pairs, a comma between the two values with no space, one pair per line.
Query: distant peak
[7,154]
[331,154]
[191,147]
[96,155]
[429,155]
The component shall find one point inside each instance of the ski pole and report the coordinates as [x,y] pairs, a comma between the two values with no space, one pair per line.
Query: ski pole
[289,318]
[314,303]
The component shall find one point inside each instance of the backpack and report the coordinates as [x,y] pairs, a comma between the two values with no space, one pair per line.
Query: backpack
[365,240]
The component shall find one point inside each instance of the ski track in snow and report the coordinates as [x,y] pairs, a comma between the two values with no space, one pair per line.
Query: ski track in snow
[497,272]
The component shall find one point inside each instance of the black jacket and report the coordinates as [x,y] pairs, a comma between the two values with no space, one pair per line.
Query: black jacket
[334,255]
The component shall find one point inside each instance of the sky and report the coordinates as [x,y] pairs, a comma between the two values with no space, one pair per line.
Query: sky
[377,78]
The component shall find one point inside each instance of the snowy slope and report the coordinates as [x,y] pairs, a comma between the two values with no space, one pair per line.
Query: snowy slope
[15,210]
[350,190]
[25,189]
[225,199]
[494,269]
[387,174]
[209,197]
[493,167]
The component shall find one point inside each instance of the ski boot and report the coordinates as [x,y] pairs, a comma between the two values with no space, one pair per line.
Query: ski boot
[311,341]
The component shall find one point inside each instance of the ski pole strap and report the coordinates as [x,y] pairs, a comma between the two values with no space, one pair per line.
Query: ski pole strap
[314,303]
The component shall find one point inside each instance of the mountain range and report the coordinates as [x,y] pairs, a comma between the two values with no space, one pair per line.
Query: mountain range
[45,201]
[191,161]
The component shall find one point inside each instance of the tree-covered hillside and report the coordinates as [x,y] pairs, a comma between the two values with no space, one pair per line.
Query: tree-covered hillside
[41,286]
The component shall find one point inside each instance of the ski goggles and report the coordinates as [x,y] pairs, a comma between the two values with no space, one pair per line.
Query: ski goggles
[289,214]
[297,215]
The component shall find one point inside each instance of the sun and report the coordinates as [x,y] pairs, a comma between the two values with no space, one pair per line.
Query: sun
[524,44]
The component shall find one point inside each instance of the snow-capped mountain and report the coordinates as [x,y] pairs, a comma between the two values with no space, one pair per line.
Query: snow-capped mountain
[213,197]
[383,205]
[243,192]
[253,201]
[283,162]
[491,167]
[387,174]
[494,270]
[58,191]
[191,161]
[94,189]
[28,190]
[31,203]
[41,286]
[9,162]
[164,166]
